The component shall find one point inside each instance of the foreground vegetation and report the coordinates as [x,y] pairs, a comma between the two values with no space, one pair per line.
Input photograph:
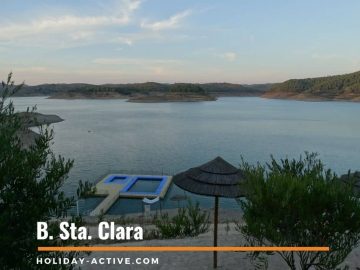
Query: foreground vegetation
[31,179]
[300,203]
[188,222]
[289,202]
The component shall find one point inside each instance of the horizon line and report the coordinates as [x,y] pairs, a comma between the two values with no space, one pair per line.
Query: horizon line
[193,82]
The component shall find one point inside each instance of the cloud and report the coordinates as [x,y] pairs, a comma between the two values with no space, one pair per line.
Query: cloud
[68,23]
[170,23]
[125,40]
[146,35]
[229,56]
[128,7]
[135,61]
[67,30]
[82,35]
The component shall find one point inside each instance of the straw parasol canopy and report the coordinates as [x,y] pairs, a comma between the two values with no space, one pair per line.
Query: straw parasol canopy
[216,178]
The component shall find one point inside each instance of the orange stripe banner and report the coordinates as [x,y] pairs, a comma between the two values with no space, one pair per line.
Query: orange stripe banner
[180,249]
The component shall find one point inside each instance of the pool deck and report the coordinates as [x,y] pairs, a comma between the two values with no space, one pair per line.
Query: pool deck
[114,186]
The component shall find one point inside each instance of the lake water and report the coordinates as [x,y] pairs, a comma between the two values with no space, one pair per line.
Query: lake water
[106,136]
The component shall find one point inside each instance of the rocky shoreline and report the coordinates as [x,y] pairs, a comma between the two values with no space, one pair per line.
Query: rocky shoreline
[140,98]
[309,97]
[33,119]
[142,93]
[171,98]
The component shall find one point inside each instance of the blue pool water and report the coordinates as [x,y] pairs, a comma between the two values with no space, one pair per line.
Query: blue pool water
[150,185]
[117,179]
[129,205]
[145,186]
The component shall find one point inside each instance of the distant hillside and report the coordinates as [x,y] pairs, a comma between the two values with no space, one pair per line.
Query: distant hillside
[261,87]
[178,92]
[89,89]
[340,87]
[230,89]
[47,89]
[78,90]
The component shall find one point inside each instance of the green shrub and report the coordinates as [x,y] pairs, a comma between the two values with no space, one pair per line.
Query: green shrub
[31,181]
[300,203]
[190,221]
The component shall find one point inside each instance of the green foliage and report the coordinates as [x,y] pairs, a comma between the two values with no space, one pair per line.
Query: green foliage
[85,189]
[329,87]
[300,203]
[187,88]
[190,221]
[30,191]
[144,88]
[136,88]
[236,89]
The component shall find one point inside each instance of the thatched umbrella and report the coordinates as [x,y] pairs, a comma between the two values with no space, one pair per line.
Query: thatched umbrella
[216,178]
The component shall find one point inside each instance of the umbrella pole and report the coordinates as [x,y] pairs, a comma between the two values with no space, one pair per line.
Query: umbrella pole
[216,229]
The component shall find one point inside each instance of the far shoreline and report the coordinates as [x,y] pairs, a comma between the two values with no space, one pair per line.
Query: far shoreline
[127,99]
[308,98]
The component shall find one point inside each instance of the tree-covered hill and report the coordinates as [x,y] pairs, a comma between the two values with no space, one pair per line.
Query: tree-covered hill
[178,92]
[80,90]
[230,89]
[339,87]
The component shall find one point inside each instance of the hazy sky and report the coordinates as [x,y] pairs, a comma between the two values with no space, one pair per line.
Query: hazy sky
[117,41]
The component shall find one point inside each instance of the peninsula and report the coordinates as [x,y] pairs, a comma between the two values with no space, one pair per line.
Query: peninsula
[33,119]
[179,92]
[340,87]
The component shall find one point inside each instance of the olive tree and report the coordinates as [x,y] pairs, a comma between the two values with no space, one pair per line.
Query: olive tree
[300,203]
[31,179]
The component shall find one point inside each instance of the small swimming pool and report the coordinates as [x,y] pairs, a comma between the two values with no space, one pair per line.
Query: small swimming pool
[122,187]
[146,185]
[117,179]
[126,205]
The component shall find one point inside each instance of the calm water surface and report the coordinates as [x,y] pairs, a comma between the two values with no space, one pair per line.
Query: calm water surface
[106,136]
